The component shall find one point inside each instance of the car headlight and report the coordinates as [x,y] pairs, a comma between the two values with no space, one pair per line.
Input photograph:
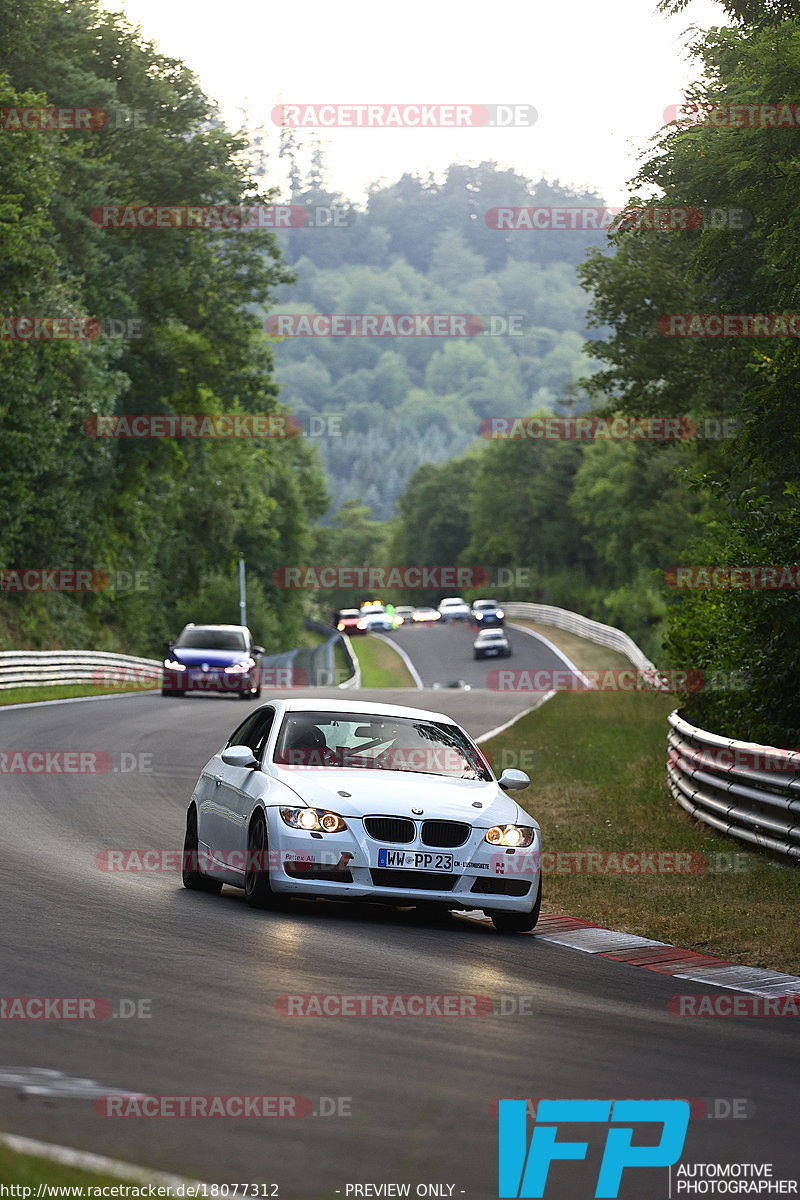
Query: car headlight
[510,835]
[500,613]
[316,820]
[240,668]
[171,664]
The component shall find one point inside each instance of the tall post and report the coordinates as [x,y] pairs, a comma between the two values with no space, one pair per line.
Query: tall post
[242,600]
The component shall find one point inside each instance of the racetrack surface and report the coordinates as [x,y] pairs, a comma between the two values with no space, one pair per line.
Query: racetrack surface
[421,1089]
[445,652]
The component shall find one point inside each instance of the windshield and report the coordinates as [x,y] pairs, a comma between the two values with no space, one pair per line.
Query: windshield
[324,739]
[211,639]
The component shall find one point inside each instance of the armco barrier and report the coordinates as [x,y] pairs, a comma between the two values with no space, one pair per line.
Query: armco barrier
[593,631]
[749,791]
[38,668]
[32,668]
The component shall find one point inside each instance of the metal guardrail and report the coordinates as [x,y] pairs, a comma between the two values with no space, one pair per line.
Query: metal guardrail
[593,631]
[316,666]
[320,661]
[33,668]
[749,791]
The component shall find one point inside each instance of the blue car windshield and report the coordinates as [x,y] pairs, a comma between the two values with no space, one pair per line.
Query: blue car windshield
[211,639]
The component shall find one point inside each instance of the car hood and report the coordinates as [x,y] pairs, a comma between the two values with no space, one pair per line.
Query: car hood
[214,658]
[395,793]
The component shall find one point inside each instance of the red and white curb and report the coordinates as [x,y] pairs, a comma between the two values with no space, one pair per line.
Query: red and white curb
[659,956]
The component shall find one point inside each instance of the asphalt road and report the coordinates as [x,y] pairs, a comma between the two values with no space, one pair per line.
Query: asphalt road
[419,1090]
[445,652]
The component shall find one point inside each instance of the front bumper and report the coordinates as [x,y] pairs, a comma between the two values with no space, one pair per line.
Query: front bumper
[215,679]
[345,866]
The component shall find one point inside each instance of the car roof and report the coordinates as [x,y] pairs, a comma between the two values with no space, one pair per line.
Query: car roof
[366,707]
[491,633]
[238,628]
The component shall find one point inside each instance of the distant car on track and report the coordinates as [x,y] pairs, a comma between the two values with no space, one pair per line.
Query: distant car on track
[213,658]
[374,620]
[350,621]
[405,612]
[425,614]
[454,609]
[491,643]
[354,801]
[487,614]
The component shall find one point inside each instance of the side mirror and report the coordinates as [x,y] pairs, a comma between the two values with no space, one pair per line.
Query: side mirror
[512,781]
[239,756]
[257,650]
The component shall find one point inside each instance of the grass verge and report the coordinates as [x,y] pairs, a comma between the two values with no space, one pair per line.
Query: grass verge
[599,785]
[584,654]
[65,691]
[381,665]
[28,1170]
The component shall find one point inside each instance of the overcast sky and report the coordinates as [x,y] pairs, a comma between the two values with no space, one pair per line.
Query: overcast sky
[599,75]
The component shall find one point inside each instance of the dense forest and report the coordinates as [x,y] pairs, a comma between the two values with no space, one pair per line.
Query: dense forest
[595,525]
[601,524]
[171,514]
[427,246]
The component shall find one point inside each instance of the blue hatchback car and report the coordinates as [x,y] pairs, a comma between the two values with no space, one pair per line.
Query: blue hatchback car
[213,658]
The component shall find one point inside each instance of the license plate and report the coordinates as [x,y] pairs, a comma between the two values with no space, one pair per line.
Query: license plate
[415,860]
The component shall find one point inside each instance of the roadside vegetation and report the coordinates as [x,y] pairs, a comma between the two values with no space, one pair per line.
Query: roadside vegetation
[598,786]
[381,665]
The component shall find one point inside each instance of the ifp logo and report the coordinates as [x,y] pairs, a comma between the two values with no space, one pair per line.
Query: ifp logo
[523,1170]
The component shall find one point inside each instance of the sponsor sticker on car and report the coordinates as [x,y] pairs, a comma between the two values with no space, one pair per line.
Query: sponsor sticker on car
[414,860]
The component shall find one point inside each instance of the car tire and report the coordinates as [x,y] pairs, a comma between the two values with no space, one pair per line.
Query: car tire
[517,922]
[257,888]
[172,691]
[193,879]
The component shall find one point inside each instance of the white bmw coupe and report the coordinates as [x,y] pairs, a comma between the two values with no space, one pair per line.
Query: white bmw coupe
[353,801]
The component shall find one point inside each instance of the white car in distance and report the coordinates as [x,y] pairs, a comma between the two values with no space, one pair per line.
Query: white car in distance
[455,609]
